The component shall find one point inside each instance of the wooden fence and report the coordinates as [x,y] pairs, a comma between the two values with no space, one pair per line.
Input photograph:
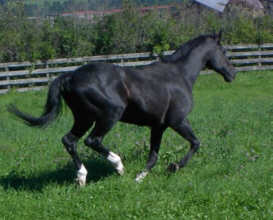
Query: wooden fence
[32,76]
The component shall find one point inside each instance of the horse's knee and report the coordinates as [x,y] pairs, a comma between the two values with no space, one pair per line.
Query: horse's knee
[65,140]
[69,141]
[95,144]
[90,142]
[195,145]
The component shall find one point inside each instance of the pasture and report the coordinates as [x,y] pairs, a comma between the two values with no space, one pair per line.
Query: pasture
[231,177]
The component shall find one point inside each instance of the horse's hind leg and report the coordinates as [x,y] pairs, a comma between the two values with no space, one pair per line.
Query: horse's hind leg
[70,142]
[185,130]
[94,140]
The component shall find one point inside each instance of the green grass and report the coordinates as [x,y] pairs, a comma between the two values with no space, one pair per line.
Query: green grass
[229,178]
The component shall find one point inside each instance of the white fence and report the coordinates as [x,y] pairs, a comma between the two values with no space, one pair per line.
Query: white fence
[32,76]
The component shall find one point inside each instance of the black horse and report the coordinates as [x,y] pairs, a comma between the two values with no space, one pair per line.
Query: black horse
[158,96]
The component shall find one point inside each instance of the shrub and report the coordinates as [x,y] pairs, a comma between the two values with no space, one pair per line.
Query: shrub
[125,32]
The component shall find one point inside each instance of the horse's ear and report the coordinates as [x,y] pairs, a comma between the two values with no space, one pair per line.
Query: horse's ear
[218,36]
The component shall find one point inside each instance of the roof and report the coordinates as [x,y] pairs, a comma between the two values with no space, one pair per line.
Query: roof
[112,11]
[253,4]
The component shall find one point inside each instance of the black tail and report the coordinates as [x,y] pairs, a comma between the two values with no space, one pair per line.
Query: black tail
[51,110]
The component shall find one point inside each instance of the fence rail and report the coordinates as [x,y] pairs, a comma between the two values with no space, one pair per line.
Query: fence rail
[25,76]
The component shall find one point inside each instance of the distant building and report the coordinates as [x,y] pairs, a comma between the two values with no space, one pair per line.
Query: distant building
[251,4]
[255,7]
[91,14]
[268,5]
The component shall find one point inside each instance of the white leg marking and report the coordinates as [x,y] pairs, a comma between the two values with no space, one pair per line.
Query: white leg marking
[116,161]
[141,176]
[81,176]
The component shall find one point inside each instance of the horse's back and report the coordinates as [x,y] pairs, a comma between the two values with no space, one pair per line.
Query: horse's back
[94,74]
[95,88]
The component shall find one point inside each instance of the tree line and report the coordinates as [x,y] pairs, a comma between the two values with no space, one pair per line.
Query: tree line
[22,38]
[55,7]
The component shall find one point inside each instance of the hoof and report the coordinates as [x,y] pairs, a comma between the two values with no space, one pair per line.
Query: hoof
[81,181]
[173,167]
[141,176]
[120,171]
[81,176]
[117,163]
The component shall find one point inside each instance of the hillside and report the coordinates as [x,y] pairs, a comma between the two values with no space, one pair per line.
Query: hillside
[98,2]
[53,7]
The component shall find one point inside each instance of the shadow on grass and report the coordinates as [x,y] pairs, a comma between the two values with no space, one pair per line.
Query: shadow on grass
[97,170]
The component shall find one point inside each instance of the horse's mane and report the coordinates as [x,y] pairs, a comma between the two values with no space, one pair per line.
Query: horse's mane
[184,49]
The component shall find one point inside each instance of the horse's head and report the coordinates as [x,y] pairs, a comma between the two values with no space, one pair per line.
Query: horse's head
[217,59]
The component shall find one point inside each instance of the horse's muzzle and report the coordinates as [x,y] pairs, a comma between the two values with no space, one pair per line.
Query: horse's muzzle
[230,76]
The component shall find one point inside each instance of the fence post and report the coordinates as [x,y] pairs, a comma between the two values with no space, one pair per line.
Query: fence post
[260,56]
[47,75]
[8,77]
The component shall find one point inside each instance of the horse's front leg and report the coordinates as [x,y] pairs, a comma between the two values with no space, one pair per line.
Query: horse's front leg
[156,136]
[184,129]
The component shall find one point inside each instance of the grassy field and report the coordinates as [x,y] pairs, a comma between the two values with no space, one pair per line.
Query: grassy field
[231,177]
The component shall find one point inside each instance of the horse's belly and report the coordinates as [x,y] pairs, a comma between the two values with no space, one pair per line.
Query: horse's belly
[133,114]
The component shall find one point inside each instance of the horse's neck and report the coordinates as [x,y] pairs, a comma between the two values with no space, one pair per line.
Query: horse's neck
[192,66]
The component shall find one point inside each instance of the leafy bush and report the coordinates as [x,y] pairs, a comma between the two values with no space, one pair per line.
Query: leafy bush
[129,31]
